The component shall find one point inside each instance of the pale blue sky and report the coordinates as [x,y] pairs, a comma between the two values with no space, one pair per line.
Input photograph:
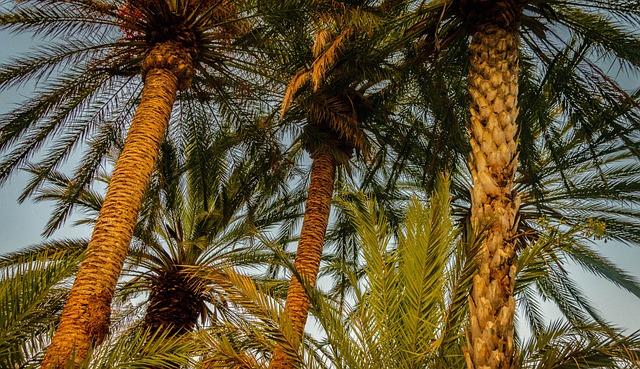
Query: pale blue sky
[20,225]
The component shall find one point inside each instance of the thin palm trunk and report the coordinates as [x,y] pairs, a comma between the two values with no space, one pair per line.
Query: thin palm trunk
[310,245]
[493,87]
[85,318]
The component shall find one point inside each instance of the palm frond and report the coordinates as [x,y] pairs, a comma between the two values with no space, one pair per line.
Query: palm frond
[33,290]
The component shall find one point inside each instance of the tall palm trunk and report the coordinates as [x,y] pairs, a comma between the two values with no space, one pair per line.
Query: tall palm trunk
[310,245]
[85,317]
[493,87]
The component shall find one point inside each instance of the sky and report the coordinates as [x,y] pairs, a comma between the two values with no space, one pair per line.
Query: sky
[21,224]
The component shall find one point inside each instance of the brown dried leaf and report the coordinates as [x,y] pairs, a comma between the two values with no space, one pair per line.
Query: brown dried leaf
[327,59]
[322,37]
[296,83]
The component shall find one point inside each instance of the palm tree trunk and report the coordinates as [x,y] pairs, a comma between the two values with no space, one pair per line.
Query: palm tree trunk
[85,317]
[493,87]
[310,245]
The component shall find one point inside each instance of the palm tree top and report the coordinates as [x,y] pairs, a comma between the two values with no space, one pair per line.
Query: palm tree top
[338,75]
[88,73]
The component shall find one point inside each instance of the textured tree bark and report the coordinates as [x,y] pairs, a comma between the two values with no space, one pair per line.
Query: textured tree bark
[493,88]
[310,245]
[85,317]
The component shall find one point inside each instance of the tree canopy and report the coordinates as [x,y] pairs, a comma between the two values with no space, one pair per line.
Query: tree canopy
[416,176]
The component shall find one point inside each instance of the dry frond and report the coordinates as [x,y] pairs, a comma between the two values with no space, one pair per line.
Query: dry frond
[327,59]
[349,130]
[297,81]
[322,37]
[342,121]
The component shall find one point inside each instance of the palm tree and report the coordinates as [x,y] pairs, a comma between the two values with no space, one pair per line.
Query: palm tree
[567,194]
[540,265]
[396,318]
[332,93]
[562,346]
[194,223]
[500,35]
[407,306]
[198,231]
[170,43]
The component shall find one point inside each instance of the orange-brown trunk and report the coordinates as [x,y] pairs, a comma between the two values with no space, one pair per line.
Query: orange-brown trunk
[310,245]
[85,317]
